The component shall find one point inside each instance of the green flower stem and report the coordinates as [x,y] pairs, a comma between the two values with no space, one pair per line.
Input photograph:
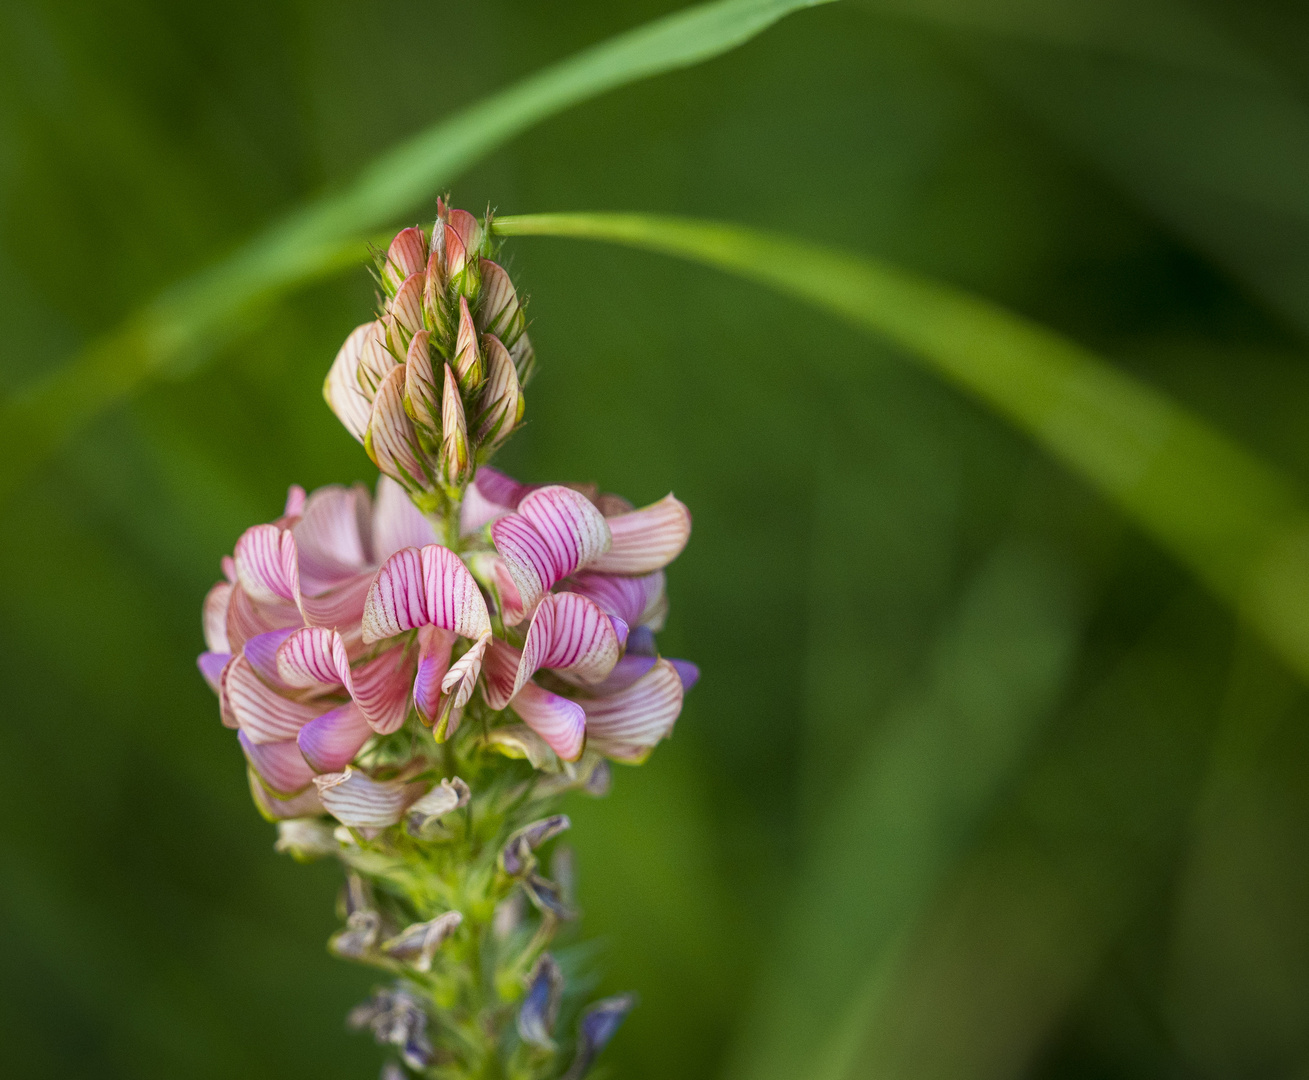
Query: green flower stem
[1236,522]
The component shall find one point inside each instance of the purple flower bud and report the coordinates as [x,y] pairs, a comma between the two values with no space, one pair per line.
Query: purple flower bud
[547,897]
[597,1026]
[396,1018]
[517,857]
[540,1008]
[417,944]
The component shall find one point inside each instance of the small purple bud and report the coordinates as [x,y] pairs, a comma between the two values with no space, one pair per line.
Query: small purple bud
[547,897]
[396,1018]
[517,858]
[417,944]
[595,1029]
[540,1008]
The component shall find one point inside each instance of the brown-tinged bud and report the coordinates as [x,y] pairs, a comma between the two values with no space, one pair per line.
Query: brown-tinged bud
[375,361]
[405,312]
[407,255]
[391,441]
[435,306]
[463,242]
[500,312]
[469,369]
[454,432]
[422,398]
[502,398]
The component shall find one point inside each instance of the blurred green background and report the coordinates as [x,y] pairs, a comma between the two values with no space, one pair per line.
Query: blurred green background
[977,783]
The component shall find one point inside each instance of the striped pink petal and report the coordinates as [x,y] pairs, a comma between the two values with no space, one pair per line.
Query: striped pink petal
[331,537]
[434,645]
[306,804]
[492,494]
[295,502]
[267,564]
[330,742]
[555,532]
[381,689]
[247,620]
[397,522]
[570,634]
[313,657]
[211,666]
[406,255]
[391,441]
[626,725]
[376,361]
[500,671]
[560,722]
[261,652]
[462,676]
[428,586]
[420,383]
[631,599]
[357,800]
[342,606]
[647,539]
[215,617]
[406,307]
[260,711]
[625,673]
[342,388]
[280,765]
[498,310]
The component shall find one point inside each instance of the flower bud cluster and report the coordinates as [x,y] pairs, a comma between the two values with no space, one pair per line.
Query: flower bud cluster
[435,384]
[416,678]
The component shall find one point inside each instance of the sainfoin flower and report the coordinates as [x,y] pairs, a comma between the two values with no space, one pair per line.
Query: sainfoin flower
[415,677]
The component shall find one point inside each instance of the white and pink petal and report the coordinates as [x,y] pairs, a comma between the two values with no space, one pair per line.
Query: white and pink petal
[428,586]
[646,540]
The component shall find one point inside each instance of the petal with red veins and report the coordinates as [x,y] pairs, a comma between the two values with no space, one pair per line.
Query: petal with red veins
[261,652]
[342,606]
[406,255]
[407,304]
[247,620]
[626,725]
[268,565]
[462,676]
[211,666]
[313,657]
[381,689]
[342,389]
[420,383]
[569,634]
[500,671]
[357,800]
[647,539]
[215,617]
[280,765]
[330,742]
[306,804]
[260,711]
[421,587]
[555,532]
[560,722]
[397,522]
[434,645]
[331,537]
[492,494]
[392,442]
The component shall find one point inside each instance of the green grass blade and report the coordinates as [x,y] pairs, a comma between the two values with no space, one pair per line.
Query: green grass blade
[327,235]
[1225,514]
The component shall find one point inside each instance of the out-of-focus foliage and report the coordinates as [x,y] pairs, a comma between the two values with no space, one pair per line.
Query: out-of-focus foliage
[971,761]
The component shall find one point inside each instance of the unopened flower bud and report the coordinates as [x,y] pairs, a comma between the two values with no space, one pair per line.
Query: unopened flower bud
[305,839]
[502,397]
[404,313]
[467,362]
[406,255]
[427,812]
[454,433]
[597,1026]
[463,241]
[421,393]
[540,1008]
[547,897]
[391,441]
[517,857]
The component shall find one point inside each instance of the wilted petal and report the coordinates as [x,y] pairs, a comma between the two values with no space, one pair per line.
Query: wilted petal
[263,714]
[331,741]
[647,539]
[595,1029]
[407,255]
[626,725]
[434,645]
[559,721]
[422,587]
[280,765]
[555,532]
[331,537]
[520,742]
[342,389]
[417,943]
[268,565]
[214,618]
[447,796]
[305,839]
[211,666]
[392,442]
[540,1008]
[305,804]
[397,522]
[547,897]
[570,634]
[357,800]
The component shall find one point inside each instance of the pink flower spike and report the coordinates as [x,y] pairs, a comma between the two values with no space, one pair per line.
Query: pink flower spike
[330,741]
[555,532]
[267,564]
[560,722]
[397,522]
[357,800]
[279,764]
[434,645]
[342,388]
[626,725]
[647,539]
[422,587]
[262,713]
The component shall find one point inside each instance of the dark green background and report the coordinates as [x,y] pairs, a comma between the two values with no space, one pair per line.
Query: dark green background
[869,546]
